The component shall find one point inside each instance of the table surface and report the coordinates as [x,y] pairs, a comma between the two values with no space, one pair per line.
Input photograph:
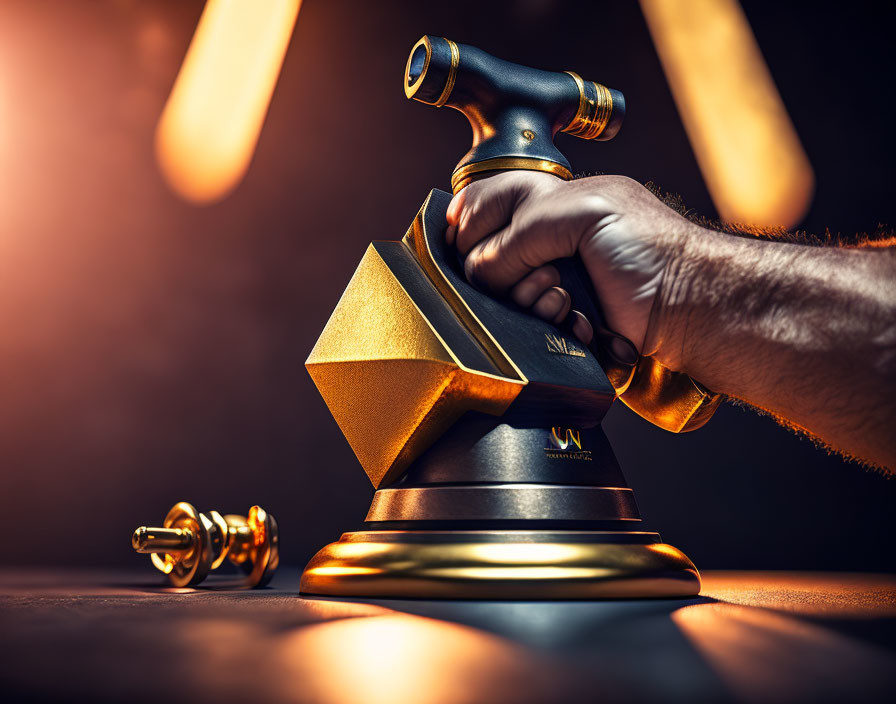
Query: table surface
[750,636]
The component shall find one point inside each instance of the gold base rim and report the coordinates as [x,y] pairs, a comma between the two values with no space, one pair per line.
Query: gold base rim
[516,565]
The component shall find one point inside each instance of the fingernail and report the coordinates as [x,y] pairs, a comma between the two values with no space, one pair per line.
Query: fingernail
[544,307]
[581,328]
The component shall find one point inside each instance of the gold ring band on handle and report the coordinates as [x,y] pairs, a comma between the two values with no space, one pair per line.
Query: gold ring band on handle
[580,84]
[452,74]
[593,115]
[465,175]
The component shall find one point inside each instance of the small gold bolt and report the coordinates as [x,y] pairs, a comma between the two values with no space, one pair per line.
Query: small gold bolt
[191,544]
[528,135]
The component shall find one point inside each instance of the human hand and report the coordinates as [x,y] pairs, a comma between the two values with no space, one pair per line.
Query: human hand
[511,226]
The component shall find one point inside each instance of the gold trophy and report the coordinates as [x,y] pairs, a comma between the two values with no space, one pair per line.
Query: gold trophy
[478,424]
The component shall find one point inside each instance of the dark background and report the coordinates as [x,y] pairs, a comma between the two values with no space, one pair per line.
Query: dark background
[152,351]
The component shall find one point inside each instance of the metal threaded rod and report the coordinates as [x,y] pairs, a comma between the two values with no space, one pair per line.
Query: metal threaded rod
[162,540]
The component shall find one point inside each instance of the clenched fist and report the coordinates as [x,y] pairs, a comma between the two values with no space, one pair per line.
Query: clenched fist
[806,333]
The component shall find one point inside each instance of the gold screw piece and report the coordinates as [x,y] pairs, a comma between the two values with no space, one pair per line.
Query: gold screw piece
[191,544]
[528,135]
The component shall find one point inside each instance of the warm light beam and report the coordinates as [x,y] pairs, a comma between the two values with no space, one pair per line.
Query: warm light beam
[746,146]
[210,125]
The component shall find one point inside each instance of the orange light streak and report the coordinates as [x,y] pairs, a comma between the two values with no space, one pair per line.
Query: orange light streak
[748,151]
[762,655]
[395,657]
[208,130]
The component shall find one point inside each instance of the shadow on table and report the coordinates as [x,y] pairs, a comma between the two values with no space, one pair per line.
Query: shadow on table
[700,649]
[102,640]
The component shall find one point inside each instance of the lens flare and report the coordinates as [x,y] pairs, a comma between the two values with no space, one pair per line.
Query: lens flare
[748,151]
[210,125]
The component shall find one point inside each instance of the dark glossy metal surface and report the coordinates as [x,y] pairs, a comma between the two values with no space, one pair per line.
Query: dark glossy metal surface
[503,536]
[566,384]
[498,502]
[494,450]
[486,471]
[506,102]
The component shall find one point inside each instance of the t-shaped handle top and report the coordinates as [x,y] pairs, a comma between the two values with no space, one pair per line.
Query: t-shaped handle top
[514,110]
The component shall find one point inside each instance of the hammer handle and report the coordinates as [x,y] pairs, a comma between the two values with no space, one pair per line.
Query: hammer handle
[617,354]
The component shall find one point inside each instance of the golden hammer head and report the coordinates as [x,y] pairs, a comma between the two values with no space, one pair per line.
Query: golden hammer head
[391,381]
[190,544]
[411,347]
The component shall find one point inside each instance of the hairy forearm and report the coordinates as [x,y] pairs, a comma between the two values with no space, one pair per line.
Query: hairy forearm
[806,333]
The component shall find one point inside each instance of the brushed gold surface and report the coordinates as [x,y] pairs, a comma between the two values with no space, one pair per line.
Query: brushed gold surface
[375,319]
[498,565]
[671,400]
[389,379]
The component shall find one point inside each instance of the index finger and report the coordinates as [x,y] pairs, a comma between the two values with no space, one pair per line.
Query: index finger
[484,207]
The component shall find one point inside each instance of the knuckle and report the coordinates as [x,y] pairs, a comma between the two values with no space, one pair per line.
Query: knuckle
[475,268]
[551,276]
